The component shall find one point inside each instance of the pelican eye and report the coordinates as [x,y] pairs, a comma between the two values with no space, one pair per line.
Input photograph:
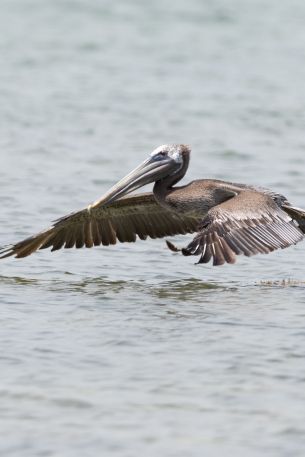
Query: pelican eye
[160,155]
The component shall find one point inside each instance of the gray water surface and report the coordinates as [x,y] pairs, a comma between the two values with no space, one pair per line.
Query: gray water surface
[133,350]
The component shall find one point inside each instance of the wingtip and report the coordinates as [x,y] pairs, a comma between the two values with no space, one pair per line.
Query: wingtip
[6,251]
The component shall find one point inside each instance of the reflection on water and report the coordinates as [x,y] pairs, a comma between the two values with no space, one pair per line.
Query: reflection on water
[18,281]
[183,289]
[187,289]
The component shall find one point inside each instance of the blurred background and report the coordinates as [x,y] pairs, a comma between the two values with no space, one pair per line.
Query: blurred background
[132,350]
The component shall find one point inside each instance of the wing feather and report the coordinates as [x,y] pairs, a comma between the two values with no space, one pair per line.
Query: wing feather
[250,223]
[124,220]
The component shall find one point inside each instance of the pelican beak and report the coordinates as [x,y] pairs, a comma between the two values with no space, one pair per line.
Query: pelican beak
[147,172]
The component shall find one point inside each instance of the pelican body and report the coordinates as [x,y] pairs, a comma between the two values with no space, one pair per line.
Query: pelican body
[228,219]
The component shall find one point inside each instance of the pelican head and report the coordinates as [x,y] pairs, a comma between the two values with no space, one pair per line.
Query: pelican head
[166,160]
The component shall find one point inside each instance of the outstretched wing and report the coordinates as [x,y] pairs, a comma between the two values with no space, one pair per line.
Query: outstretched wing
[122,220]
[249,223]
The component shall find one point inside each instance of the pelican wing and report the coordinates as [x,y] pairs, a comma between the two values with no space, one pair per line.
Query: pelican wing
[122,220]
[249,223]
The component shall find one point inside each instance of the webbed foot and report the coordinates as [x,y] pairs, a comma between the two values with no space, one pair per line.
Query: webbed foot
[172,247]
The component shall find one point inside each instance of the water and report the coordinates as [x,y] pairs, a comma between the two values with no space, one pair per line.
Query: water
[133,350]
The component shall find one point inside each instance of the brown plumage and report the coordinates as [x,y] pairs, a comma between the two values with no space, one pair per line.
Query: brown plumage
[230,219]
[257,229]
[122,221]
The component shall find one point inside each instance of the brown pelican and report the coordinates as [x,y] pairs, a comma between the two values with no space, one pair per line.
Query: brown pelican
[229,219]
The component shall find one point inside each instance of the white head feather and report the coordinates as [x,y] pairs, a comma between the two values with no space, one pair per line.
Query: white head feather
[172,150]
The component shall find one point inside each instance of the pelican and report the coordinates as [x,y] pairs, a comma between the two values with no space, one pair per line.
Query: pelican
[229,219]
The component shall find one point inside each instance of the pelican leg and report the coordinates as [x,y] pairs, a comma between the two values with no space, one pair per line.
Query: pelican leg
[172,247]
